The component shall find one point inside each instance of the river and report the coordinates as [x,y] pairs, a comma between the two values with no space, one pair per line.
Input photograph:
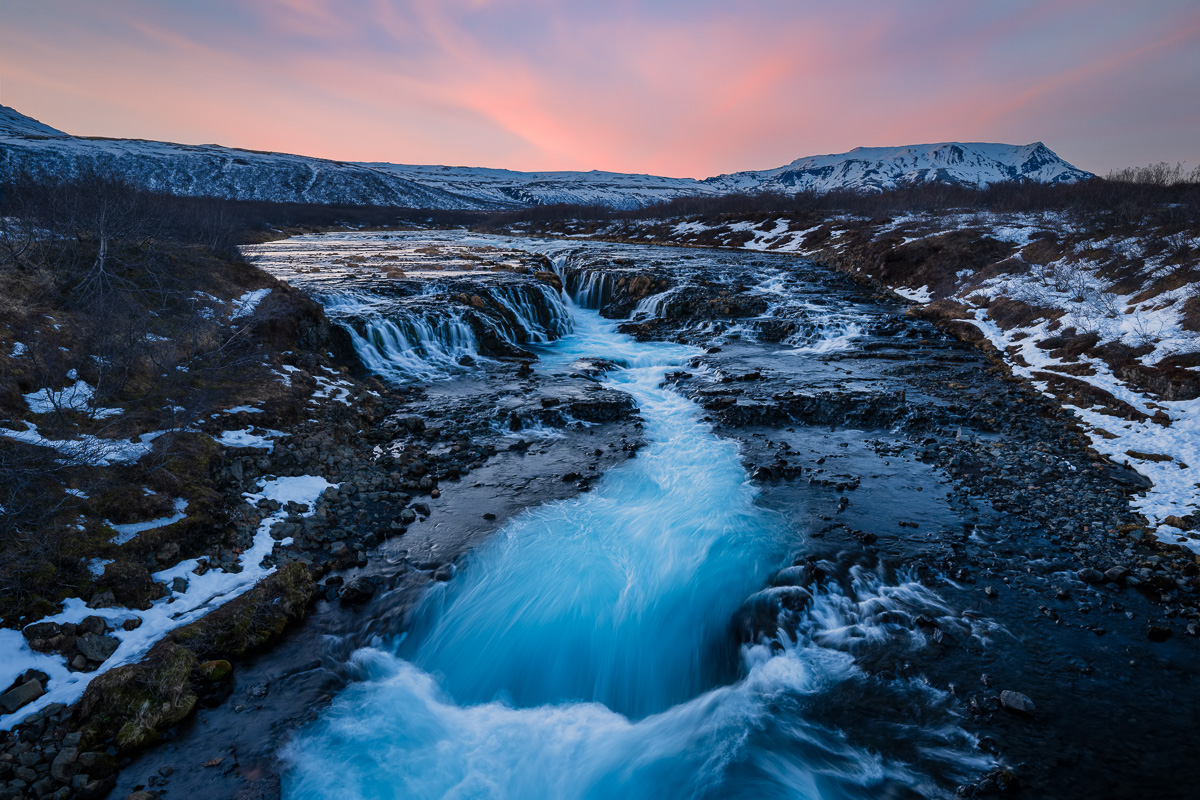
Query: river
[585,650]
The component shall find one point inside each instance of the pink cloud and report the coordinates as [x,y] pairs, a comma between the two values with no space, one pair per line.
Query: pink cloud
[695,92]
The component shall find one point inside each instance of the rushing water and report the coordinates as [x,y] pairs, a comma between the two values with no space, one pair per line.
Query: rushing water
[585,650]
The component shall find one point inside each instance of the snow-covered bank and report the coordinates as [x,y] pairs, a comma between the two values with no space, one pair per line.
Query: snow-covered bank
[1107,323]
[200,594]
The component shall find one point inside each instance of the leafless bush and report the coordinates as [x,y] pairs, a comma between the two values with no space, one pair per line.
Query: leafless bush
[1160,174]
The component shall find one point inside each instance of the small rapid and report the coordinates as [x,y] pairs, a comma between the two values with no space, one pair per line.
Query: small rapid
[586,650]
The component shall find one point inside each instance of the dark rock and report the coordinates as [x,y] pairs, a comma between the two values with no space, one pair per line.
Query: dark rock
[1089,575]
[1115,574]
[359,590]
[1131,478]
[130,584]
[97,647]
[1016,702]
[421,508]
[65,765]
[21,695]
[1157,633]
[762,474]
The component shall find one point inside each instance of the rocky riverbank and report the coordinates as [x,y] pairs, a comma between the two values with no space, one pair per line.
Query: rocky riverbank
[897,453]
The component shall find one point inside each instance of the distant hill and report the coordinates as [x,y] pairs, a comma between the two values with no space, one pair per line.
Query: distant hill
[879,168]
[215,171]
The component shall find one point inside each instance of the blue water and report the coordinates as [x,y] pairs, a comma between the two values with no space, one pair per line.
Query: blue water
[584,651]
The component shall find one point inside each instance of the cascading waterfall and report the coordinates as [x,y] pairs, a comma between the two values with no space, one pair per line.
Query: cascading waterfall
[825,335]
[650,307]
[407,339]
[414,348]
[587,288]
[532,321]
[584,650]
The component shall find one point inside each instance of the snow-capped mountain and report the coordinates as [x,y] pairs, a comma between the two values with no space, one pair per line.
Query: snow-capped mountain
[616,189]
[878,168]
[29,146]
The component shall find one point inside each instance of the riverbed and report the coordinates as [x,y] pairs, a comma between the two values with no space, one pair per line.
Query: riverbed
[799,584]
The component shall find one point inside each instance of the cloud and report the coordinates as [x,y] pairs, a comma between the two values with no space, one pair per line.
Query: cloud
[672,88]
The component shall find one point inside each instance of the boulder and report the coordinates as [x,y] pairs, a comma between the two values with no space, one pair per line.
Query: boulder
[1115,574]
[130,584]
[21,695]
[1017,702]
[359,590]
[97,647]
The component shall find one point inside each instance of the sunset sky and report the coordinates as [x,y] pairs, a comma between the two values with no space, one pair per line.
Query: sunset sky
[676,87]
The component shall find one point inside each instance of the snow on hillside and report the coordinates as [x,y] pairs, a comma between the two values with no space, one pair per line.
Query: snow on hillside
[616,189]
[1069,312]
[212,170]
[879,168]
[14,123]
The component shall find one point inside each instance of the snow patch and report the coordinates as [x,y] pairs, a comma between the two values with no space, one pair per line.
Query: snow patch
[244,306]
[128,531]
[247,438]
[204,593]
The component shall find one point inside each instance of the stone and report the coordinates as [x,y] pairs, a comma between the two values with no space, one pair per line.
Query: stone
[1089,575]
[1016,702]
[93,624]
[1157,633]
[97,764]
[21,695]
[1115,574]
[65,765]
[129,583]
[105,599]
[97,647]
[359,590]
[408,516]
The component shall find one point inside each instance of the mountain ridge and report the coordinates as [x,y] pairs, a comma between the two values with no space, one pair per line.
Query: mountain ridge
[31,147]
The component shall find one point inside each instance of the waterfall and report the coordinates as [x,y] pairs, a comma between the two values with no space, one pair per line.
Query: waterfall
[423,337]
[587,287]
[650,307]
[826,334]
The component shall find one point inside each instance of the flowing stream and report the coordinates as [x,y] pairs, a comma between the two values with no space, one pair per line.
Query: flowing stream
[585,650]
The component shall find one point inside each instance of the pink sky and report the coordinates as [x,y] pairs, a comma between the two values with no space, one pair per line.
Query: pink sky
[672,87]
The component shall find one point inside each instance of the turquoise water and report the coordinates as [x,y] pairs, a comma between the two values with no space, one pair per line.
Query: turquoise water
[584,651]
